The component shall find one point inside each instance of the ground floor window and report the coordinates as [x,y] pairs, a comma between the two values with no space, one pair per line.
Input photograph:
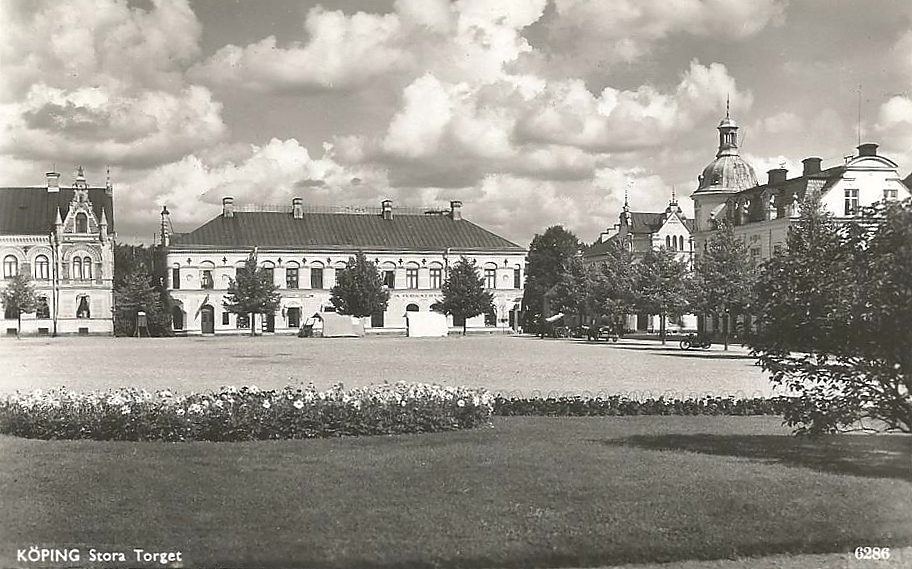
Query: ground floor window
[243,321]
[377,320]
[225,319]
[490,318]
[294,317]
[177,318]
[412,308]
[459,321]
[82,308]
[42,310]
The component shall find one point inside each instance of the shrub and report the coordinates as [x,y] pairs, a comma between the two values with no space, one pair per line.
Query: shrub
[616,405]
[248,413]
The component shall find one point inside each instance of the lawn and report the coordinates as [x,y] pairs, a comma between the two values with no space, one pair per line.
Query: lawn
[511,365]
[543,492]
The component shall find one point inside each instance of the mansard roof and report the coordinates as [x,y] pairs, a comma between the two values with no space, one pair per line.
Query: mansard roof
[342,231]
[32,211]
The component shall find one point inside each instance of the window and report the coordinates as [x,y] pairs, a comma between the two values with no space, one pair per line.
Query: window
[176,278]
[668,242]
[77,268]
[225,318]
[82,223]
[890,194]
[389,279]
[412,308]
[243,321]
[436,277]
[10,266]
[42,268]
[490,318]
[291,278]
[851,201]
[316,278]
[777,249]
[411,278]
[490,277]
[10,313]
[42,310]
[755,254]
[82,308]
[86,268]
[206,281]
[517,278]
[269,273]
[294,317]
[377,320]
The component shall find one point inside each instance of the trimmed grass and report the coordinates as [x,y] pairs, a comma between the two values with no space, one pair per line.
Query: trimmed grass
[530,492]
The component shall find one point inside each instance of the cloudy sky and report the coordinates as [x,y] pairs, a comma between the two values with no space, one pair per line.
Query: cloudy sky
[532,112]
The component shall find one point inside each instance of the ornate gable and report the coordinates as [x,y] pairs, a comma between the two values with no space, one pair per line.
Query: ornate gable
[80,206]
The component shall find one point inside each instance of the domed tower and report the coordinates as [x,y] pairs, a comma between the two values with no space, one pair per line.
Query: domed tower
[726,175]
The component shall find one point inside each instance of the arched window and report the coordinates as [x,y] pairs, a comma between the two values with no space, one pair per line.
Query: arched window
[10,266]
[412,308]
[82,223]
[42,268]
[82,308]
[77,268]
[86,268]
[668,242]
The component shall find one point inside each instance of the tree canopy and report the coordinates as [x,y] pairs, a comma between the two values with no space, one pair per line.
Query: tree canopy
[252,292]
[359,289]
[19,297]
[464,295]
[661,286]
[832,316]
[722,278]
[549,257]
[138,291]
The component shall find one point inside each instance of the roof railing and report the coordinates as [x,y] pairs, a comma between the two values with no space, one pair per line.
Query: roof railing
[344,209]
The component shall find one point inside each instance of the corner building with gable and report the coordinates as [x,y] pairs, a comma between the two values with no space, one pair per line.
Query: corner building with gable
[63,238]
[304,247]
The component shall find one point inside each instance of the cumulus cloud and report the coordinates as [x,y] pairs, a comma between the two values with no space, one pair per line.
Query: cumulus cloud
[627,29]
[99,81]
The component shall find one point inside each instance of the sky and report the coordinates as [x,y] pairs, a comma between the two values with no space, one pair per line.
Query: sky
[531,112]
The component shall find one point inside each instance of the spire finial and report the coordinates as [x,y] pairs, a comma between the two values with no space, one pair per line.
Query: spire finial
[728,106]
[673,200]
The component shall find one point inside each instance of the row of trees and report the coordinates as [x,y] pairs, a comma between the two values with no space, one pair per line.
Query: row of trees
[658,283]
[830,317]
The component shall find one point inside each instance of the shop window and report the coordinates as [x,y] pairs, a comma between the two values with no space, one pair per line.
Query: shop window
[42,310]
[82,308]
[243,321]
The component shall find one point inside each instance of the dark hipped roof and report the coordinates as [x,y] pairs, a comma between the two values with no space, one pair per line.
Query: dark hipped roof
[341,231]
[641,223]
[32,211]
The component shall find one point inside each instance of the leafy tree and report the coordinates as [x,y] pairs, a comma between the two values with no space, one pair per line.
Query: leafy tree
[549,255]
[253,292]
[661,285]
[722,278]
[19,296]
[573,292]
[359,290]
[613,285]
[832,317]
[464,295]
[136,292]
[130,258]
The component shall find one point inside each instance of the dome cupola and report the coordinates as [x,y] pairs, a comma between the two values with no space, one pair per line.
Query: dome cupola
[728,172]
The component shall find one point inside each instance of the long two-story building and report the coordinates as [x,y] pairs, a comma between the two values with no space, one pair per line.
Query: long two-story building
[304,247]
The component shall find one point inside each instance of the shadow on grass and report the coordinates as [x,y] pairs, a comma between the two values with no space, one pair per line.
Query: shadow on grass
[873,456]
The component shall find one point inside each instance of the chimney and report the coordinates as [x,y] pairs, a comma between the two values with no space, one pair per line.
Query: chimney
[811,165]
[456,210]
[109,187]
[867,149]
[227,206]
[387,206]
[777,175]
[53,182]
[297,208]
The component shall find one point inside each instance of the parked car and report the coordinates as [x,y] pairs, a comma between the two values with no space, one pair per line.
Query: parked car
[599,332]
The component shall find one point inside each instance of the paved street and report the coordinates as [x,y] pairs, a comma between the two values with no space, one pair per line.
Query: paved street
[524,366]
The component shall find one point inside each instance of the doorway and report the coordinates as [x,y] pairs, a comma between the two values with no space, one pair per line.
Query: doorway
[207,319]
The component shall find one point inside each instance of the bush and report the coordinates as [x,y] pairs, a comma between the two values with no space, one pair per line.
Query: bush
[622,406]
[243,414]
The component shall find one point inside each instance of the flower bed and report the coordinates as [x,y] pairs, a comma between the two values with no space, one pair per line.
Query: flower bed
[243,414]
[619,406]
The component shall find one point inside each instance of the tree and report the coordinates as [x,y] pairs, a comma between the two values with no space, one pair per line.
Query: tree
[549,255]
[359,290]
[464,295]
[722,278]
[253,292]
[661,286]
[573,291]
[613,285]
[137,291]
[832,317]
[19,296]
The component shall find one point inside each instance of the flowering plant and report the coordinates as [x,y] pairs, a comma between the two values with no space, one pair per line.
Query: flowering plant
[246,413]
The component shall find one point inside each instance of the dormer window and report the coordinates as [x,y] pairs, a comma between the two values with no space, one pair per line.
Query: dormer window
[82,223]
